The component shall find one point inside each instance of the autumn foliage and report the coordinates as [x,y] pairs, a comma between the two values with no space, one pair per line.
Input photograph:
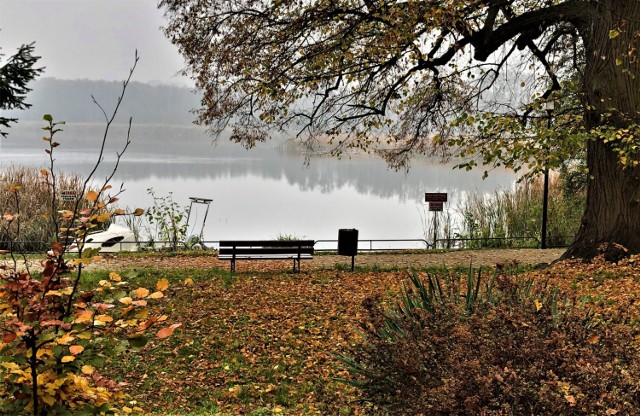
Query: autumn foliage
[499,344]
[56,335]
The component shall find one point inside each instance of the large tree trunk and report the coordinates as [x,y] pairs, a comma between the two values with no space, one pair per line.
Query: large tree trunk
[612,213]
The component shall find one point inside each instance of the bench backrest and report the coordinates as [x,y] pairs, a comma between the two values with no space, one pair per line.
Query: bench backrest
[266,246]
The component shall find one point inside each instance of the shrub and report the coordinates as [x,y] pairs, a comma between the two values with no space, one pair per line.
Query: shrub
[502,345]
[54,336]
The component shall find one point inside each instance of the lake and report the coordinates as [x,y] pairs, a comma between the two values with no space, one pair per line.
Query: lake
[259,193]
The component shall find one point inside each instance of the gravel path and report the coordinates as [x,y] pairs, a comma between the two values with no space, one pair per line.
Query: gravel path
[388,259]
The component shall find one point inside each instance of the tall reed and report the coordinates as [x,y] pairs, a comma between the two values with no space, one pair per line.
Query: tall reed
[35,225]
[511,217]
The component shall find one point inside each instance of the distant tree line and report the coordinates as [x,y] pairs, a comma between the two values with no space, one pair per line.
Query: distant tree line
[70,100]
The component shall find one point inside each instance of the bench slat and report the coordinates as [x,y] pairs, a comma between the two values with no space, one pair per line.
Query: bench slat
[267,243]
[265,250]
[265,257]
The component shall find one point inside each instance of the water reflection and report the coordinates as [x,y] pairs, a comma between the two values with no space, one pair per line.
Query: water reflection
[263,192]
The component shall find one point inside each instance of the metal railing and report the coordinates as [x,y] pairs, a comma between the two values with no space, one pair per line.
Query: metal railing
[377,244]
[364,245]
[488,242]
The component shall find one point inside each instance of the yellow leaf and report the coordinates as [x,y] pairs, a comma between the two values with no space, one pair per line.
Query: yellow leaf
[188,281]
[44,351]
[277,409]
[104,217]
[142,314]
[92,196]
[87,369]
[76,349]
[104,318]
[127,409]
[68,358]
[84,335]
[115,277]
[10,366]
[49,400]
[65,339]
[156,295]
[141,292]
[163,284]
[126,300]
[538,304]
[140,303]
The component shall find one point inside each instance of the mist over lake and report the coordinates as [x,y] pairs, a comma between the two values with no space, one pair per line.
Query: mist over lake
[258,193]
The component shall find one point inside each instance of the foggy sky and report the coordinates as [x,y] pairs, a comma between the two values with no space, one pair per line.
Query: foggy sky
[92,39]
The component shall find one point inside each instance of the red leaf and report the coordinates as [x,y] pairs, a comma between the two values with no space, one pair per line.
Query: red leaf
[8,337]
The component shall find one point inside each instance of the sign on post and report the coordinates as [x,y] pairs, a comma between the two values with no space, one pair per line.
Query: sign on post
[435,197]
[68,195]
[436,206]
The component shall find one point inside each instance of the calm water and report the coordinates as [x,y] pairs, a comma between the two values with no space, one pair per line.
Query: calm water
[261,193]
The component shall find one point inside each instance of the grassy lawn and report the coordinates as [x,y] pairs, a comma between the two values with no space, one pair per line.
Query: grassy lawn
[263,343]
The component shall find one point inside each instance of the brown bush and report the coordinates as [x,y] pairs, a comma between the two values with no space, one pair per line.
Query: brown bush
[517,348]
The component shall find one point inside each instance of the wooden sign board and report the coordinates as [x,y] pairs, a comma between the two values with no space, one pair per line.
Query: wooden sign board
[436,206]
[435,197]
[68,195]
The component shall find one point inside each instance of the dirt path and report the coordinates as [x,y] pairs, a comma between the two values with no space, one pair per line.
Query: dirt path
[389,259]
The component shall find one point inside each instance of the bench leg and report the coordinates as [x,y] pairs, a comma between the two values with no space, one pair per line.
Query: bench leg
[233,265]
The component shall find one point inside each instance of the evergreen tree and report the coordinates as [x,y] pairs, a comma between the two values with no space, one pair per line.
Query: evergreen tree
[15,74]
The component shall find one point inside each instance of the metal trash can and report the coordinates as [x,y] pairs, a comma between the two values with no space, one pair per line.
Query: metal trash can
[348,242]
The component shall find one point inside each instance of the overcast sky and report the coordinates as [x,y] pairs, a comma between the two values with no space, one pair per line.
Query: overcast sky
[92,39]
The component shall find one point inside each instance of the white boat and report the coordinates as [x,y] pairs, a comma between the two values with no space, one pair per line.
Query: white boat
[113,239]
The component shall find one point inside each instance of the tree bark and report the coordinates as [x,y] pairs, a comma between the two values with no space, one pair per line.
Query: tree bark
[612,97]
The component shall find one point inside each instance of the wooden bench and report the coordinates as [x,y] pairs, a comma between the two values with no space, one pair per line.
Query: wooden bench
[266,250]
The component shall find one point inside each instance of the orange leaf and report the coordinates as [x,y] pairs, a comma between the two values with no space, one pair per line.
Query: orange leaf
[141,292]
[163,284]
[156,295]
[76,349]
[68,358]
[166,332]
[115,277]
[104,217]
[92,196]
[104,318]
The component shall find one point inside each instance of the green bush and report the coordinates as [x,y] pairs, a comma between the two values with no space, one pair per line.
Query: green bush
[499,345]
